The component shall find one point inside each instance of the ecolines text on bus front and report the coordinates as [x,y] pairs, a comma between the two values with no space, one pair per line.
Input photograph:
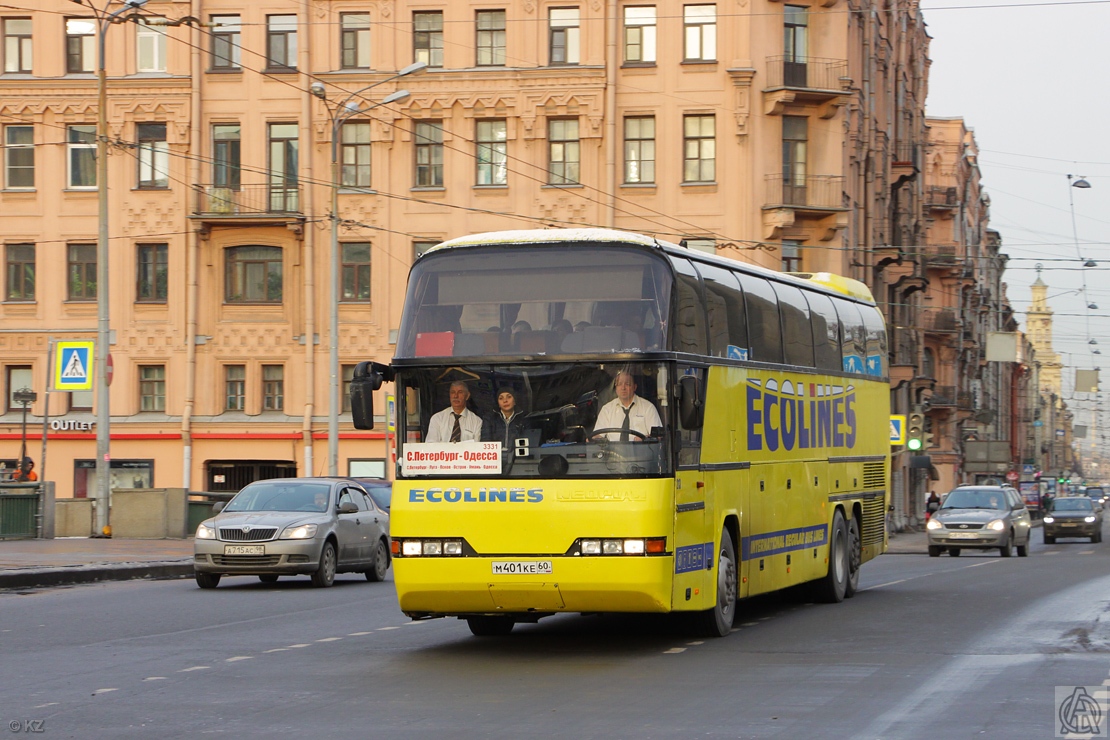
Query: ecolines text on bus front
[783,415]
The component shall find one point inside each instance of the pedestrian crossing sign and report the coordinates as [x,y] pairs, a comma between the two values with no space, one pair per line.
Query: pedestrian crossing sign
[73,366]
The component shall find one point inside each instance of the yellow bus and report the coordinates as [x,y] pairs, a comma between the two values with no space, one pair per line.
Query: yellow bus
[590,421]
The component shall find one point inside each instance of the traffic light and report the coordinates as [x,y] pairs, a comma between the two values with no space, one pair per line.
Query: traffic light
[915,431]
[927,438]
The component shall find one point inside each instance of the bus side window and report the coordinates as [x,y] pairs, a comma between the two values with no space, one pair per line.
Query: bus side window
[797,332]
[826,332]
[876,361]
[855,337]
[688,326]
[762,309]
[725,304]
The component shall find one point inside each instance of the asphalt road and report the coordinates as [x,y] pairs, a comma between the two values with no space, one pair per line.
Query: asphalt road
[930,648]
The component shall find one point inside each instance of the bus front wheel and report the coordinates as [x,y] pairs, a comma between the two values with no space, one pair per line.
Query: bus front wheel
[832,588]
[717,622]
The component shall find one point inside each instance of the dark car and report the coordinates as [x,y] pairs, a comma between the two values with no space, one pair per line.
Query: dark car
[379,490]
[294,526]
[1075,516]
[1096,494]
[980,517]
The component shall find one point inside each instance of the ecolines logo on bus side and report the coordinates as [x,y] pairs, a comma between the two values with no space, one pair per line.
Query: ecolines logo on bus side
[480,496]
[784,415]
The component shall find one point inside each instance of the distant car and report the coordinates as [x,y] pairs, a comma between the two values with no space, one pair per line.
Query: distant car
[380,490]
[1075,516]
[294,526]
[981,518]
[1096,493]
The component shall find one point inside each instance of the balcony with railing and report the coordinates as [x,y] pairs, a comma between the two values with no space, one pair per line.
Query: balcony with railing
[942,257]
[273,203]
[809,80]
[940,322]
[941,198]
[810,193]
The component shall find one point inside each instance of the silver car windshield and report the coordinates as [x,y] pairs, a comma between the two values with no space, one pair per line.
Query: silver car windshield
[975,499]
[276,496]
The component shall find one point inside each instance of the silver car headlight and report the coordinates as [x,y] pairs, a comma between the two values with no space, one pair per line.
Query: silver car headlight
[1089,519]
[997,525]
[934,524]
[299,532]
[204,532]
[1049,520]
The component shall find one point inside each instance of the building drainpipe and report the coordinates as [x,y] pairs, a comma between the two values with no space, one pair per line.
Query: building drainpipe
[309,261]
[611,67]
[192,240]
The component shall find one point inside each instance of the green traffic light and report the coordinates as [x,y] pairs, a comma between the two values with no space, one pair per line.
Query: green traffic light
[913,444]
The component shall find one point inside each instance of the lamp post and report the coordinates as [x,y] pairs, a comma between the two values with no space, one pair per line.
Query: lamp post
[103,333]
[24,397]
[340,113]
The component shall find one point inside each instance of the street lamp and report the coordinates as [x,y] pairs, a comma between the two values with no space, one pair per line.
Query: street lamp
[103,333]
[340,113]
[25,397]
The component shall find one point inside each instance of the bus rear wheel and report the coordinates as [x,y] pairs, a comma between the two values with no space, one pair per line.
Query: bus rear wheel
[832,588]
[717,622]
[490,626]
[855,558]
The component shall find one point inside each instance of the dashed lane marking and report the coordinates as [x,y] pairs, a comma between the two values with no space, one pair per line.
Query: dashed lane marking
[195,668]
[103,691]
[47,704]
[383,629]
[329,639]
[359,634]
[275,650]
[674,650]
[926,575]
[300,645]
[239,657]
[155,678]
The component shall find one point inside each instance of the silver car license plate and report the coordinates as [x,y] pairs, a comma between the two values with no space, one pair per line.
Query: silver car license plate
[521,567]
[244,549]
[963,535]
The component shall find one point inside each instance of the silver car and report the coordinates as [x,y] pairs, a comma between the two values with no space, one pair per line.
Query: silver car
[980,517]
[294,526]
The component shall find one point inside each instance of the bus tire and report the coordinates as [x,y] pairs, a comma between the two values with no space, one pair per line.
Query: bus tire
[834,585]
[490,626]
[855,558]
[717,622]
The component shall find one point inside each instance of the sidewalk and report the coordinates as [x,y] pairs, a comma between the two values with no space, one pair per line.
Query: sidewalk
[70,560]
[907,543]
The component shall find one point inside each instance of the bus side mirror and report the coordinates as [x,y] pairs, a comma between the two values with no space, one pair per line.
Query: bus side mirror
[690,406]
[368,377]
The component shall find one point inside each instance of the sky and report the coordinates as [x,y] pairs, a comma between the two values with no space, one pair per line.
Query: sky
[1031,80]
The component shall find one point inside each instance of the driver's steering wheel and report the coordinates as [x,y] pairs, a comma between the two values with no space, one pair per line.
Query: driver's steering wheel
[611,430]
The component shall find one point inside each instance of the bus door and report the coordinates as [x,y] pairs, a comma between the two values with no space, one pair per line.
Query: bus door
[694,543]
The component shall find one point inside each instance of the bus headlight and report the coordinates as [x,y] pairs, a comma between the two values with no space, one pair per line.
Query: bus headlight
[622,546]
[413,548]
[997,525]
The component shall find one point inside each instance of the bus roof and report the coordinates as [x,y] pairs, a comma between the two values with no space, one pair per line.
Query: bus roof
[822,280]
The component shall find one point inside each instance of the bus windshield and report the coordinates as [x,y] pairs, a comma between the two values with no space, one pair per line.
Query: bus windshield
[535,421]
[535,299]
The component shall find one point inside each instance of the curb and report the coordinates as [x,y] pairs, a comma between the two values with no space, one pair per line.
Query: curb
[42,577]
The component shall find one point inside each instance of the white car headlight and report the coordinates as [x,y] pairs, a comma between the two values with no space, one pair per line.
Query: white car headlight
[1088,519]
[997,525]
[934,524]
[299,532]
[1048,520]
[204,532]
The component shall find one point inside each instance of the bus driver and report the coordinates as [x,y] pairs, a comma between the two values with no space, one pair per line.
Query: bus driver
[627,412]
[456,423]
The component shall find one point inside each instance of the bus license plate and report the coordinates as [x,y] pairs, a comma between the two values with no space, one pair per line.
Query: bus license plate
[244,549]
[521,567]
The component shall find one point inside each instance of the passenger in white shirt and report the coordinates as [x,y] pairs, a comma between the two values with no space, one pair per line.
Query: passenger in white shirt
[456,417]
[639,413]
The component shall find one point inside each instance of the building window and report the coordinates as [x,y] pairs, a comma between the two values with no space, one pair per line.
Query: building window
[427,38]
[225,155]
[794,155]
[226,49]
[354,40]
[20,260]
[284,156]
[700,25]
[348,373]
[152,283]
[493,152]
[355,273]
[151,43]
[564,34]
[795,41]
[81,159]
[152,388]
[281,42]
[419,248]
[253,275]
[355,155]
[639,149]
[639,35]
[19,157]
[709,246]
[80,45]
[791,257]
[17,45]
[273,387]
[491,38]
[82,272]
[563,151]
[699,149]
[429,154]
[154,156]
[81,400]
[19,378]
[235,387]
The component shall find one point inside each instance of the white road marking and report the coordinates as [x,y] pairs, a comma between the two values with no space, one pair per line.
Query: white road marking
[383,629]
[359,634]
[674,650]
[329,639]
[300,645]
[749,624]
[47,704]
[416,621]
[697,642]
[926,575]
[103,691]
[195,668]
[239,657]
[155,678]
[276,650]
